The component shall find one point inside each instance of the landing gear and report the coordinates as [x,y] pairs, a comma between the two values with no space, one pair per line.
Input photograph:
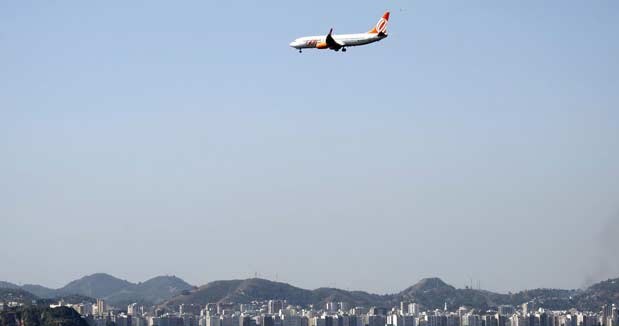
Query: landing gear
[343,49]
[300,51]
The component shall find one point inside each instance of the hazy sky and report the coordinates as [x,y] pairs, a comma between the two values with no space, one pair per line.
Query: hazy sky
[479,141]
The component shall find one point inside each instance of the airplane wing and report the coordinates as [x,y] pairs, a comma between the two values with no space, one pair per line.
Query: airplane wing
[332,43]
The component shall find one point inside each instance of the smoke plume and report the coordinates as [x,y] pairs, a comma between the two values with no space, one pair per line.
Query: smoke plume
[606,263]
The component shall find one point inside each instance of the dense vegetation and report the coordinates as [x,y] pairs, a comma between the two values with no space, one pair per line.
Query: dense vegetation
[16,294]
[36,316]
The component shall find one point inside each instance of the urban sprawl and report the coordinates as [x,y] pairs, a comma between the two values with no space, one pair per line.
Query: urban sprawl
[280,313]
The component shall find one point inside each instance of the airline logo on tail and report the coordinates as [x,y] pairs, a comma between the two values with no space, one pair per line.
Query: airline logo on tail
[381,26]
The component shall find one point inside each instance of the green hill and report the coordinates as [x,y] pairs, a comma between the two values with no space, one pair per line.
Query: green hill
[8,285]
[40,291]
[34,316]
[116,291]
[98,285]
[153,291]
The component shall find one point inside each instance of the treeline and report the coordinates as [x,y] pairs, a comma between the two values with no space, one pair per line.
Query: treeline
[38,316]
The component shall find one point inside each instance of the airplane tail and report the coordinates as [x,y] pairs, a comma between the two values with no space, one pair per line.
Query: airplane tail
[381,26]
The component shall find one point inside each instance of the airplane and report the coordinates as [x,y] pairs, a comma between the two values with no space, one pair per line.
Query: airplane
[341,42]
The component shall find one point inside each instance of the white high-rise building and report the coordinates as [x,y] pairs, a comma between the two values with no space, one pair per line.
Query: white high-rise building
[413,309]
[274,306]
[394,319]
[517,320]
[101,307]
[132,309]
[401,320]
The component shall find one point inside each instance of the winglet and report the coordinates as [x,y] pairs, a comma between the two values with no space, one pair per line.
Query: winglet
[381,26]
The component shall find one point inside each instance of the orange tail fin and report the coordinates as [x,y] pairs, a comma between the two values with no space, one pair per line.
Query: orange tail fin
[381,26]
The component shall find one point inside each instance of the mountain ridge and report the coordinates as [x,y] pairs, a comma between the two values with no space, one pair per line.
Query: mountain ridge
[8,285]
[98,285]
[432,293]
[116,291]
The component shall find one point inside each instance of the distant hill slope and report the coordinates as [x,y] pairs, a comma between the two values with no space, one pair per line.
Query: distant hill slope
[354,298]
[598,294]
[23,296]
[8,285]
[153,291]
[114,290]
[434,293]
[98,285]
[241,291]
[431,292]
[120,292]
[40,291]
[16,295]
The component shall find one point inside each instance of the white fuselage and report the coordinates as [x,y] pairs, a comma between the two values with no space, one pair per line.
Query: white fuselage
[344,39]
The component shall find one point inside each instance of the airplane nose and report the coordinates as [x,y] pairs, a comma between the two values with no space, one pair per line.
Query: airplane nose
[293,44]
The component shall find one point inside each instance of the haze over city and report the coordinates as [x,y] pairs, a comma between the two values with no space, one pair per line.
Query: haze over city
[477,143]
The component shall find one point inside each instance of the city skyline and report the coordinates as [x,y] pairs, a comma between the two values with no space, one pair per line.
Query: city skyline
[285,308]
[278,312]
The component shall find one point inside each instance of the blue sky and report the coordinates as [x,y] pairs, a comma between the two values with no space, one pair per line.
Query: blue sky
[478,140]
